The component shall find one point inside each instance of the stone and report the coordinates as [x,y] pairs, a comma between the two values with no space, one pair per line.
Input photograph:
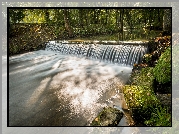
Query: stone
[108,117]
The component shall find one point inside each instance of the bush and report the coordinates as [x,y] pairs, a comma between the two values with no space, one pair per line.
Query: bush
[162,70]
[140,100]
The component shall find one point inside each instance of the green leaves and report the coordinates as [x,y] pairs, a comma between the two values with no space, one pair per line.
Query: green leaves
[162,70]
[159,117]
[139,100]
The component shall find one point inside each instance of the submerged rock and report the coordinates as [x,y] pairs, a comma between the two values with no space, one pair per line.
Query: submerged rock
[108,117]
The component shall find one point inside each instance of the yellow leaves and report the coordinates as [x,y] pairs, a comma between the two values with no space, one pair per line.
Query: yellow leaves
[96,119]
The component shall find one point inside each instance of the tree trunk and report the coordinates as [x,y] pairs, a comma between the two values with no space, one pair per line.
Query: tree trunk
[47,19]
[81,17]
[106,22]
[67,23]
[121,21]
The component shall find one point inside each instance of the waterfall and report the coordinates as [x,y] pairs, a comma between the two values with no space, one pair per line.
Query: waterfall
[124,54]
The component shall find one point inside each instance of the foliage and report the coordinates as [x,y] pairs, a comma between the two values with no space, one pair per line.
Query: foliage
[129,23]
[140,100]
[144,78]
[147,58]
[31,37]
[162,70]
[166,130]
[159,117]
[16,15]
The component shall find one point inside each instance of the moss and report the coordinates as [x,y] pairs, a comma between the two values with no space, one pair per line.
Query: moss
[140,100]
[162,70]
[108,117]
[145,77]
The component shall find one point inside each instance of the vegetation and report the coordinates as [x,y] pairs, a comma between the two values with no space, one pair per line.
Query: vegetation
[145,77]
[162,70]
[140,100]
[159,117]
[142,95]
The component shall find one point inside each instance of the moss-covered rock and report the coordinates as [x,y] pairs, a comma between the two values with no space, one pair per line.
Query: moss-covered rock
[140,100]
[108,117]
[144,78]
[162,70]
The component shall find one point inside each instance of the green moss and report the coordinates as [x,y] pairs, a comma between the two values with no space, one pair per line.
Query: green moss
[162,70]
[145,77]
[140,99]
[108,117]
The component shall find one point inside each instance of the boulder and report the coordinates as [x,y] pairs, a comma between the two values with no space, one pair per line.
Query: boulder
[108,117]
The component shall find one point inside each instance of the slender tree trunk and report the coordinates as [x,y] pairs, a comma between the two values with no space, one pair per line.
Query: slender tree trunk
[121,21]
[106,22]
[47,16]
[67,23]
[81,17]
[98,14]
[117,17]
[94,17]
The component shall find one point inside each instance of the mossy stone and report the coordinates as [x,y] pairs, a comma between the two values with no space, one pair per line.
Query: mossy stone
[108,117]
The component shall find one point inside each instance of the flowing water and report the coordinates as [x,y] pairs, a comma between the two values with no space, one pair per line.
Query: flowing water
[127,54]
[68,85]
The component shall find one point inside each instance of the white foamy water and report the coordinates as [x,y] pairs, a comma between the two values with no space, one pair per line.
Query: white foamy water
[62,90]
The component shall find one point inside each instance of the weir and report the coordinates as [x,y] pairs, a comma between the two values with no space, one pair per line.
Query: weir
[124,54]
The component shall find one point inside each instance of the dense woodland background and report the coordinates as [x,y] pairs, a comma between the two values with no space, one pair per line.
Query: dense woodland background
[124,24]
[30,28]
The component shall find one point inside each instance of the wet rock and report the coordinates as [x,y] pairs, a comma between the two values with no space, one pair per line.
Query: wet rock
[108,117]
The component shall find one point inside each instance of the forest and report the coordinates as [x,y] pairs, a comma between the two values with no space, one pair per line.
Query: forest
[124,24]
[149,85]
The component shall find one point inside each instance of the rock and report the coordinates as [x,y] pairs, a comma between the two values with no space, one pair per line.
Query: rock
[108,117]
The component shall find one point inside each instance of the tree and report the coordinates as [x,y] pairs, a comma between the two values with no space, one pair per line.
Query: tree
[67,23]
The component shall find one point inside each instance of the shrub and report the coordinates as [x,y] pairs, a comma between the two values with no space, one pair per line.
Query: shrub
[162,70]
